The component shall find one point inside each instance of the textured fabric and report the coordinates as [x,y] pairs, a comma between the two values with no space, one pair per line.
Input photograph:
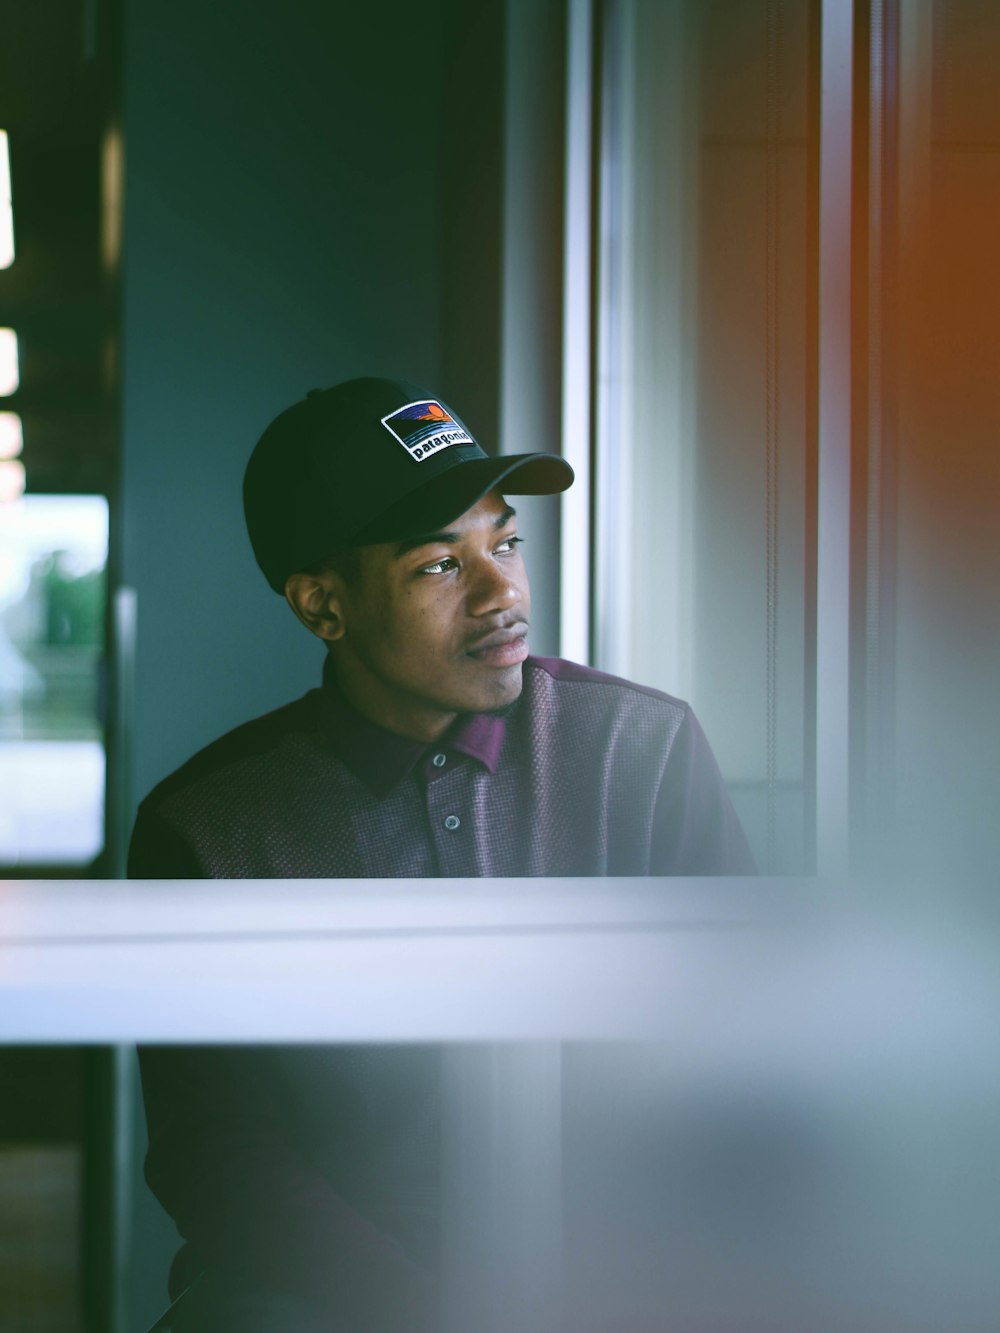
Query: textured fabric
[314,1171]
[588,775]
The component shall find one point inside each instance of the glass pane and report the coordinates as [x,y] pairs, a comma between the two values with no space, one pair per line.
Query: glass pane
[934,772]
[703,444]
[53,553]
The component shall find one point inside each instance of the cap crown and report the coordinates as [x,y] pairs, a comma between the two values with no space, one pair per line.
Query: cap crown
[366,461]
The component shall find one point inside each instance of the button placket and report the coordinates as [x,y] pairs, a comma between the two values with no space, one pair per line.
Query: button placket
[448,795]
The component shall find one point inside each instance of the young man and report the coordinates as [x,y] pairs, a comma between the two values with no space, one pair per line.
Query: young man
[437,746]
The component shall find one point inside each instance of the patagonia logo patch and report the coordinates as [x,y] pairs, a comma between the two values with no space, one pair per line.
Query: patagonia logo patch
[425,428]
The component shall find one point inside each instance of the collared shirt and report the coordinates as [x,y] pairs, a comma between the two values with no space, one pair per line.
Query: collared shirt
[586,775]
[314,1171]
[382,760]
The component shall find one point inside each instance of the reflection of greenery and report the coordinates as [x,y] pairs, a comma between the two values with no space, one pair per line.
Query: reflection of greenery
[68,710]
[58,629]
[74,604]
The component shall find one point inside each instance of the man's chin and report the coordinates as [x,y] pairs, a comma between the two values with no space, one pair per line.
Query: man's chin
[503,710]
[500,707]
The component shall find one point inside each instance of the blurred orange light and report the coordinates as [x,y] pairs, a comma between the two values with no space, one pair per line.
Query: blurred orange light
[6,205]
[11,435]
[9,372]
[11,481]
[112,178]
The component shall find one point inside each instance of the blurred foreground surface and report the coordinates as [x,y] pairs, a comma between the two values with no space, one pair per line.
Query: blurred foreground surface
[678,1105]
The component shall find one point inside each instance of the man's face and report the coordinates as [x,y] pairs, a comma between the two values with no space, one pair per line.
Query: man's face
[437,626]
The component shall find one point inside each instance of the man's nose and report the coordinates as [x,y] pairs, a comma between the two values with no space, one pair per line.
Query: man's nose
[492,589]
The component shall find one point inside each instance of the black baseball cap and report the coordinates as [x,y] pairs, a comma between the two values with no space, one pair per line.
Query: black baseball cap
[368,461]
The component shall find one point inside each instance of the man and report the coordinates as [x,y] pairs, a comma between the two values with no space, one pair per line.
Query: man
[436,746]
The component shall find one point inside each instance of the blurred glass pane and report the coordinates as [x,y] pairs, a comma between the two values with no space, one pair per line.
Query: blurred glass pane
[53,553]
[703,391]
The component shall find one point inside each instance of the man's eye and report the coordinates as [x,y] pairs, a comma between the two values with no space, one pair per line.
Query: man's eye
[508,544]
[439,566]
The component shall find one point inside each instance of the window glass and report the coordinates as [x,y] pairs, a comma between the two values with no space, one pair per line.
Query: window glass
[53,553]
[703,451]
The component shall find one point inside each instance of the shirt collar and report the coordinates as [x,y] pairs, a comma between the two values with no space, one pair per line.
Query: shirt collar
[381,759]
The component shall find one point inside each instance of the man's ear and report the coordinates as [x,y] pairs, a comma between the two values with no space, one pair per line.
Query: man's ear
[317,600]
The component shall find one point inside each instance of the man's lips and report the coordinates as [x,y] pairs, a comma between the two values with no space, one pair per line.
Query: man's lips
[502,647]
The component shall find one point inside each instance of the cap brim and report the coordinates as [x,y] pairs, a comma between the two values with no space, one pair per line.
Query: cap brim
[446,496]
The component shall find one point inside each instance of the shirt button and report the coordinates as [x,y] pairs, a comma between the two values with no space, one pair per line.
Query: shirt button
[439,760]
[452,822]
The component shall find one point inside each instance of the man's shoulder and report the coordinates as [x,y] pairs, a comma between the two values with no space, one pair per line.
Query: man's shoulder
[260,737]
[555,676]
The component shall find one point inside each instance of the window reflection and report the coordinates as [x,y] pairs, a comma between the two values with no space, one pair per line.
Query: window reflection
[53,553]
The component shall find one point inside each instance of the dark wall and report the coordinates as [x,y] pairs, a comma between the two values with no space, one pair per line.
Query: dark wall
[308,196]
